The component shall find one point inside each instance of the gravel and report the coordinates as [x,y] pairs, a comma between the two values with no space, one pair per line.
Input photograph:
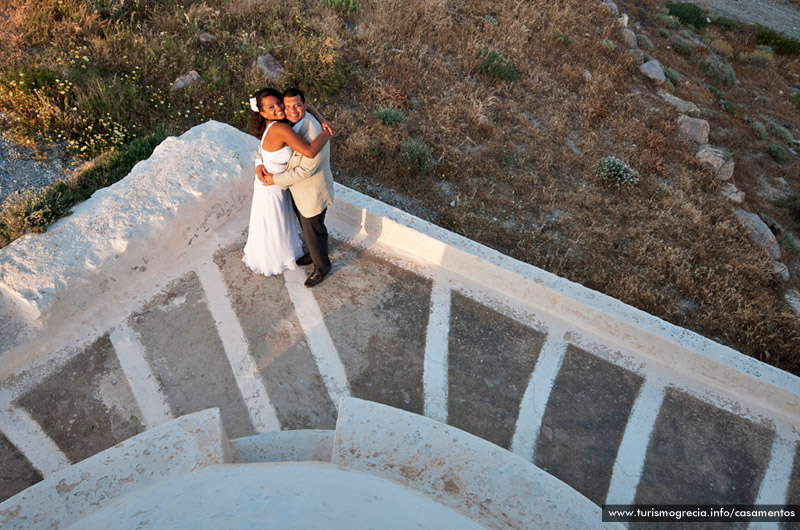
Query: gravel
[781,15]
[22,169]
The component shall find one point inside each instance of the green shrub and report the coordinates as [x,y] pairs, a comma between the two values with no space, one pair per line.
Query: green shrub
[758,58]
[491,20]
[348,6]
[668,21]
[390,115]
[721,47]
[416,153]
[609,44]
[669,85]
[723,100]
[689,14]
[778,153]
[663,32]
[792,204]
[765,49]
[780,132]
[727,24]
[616,173]
[777,40]
[495,66]
[644,42]
[789,242]
[796,100]
[681,45]
[686,34]
[673,75]
[758,128]
[563,38]
[718,70]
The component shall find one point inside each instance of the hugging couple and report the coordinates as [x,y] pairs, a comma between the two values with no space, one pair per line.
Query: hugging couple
[293,186]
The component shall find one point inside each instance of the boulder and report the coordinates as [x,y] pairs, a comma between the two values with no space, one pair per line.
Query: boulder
[760,233]
[185,80]
[780,271]
[717,161]
[611,5]
[731,192]
[693,129]
[685,107]
[629,38]
[623,20]
[273,71]
[653,70]
[638,55]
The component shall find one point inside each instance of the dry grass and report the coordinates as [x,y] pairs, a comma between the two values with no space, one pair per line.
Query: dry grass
[516,158]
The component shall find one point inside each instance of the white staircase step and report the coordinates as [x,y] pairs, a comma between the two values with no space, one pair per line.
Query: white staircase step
[492,486]
[284,446]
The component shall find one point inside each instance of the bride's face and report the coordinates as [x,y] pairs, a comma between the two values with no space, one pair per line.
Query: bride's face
[272,108]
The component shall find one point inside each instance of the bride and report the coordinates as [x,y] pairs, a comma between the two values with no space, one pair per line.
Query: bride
[273,241]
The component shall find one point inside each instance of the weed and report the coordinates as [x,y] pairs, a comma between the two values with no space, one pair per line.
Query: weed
[728,24]
[668,21]
[609,44]
[316,63]
[616,173]
[796,100]
[416,153]
[563,38]
[758,58]
[670,85]
[718,70]
[792,204]
[723,100]
[491,20]
[780,132]
[789,242]
[494,65]
[689,14]
[644,42]
[681,45]
[348,6]
[777,40]
[663,32]
[373,147]
[390,115]
[758,128]
[778,153]
[721,47]
[686,34]
[673,75]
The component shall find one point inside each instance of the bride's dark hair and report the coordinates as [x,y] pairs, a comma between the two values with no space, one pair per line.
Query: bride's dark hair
[257,122]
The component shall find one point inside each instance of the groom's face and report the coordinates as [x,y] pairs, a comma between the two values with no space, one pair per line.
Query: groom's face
[294,108]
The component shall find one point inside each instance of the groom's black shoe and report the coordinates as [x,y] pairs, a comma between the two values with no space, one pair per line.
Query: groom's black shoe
[305,259]
[314,279]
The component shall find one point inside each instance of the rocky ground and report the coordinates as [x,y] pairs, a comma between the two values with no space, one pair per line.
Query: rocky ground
[24,169]
[781,15]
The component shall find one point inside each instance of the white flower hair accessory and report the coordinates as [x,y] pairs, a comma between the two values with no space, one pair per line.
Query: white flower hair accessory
[253,105]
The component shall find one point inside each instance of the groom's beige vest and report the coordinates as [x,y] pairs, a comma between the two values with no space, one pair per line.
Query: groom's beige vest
[309,179]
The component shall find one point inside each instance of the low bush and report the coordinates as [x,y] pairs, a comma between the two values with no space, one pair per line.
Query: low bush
[792,204]
[757,58]
[723,100]
[688,14]
[758,128]
[721,47]
[390,115]
[563,38]
[728,24]
[348,6]
[416,153]
[644,42]
[681,45]
[777,40]
[609,44]
[778,153]
[780,132]
[616,173]
[718,70]
[494,65]
[673,76]
[668,21]
[796,100]
[663,32]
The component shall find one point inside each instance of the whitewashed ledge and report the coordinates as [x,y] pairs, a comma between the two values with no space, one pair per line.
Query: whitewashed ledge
[190,185]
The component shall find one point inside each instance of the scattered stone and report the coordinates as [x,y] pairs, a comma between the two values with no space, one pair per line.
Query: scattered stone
[792,298]
[693,129]
[732,193]
[611,5]
[717,161]
[781,271]
[653,70]
[185,80]
[638,55]
[686,107]
[687,306]
[760,233]
[587,76]
[206,37]
[623,20]
[629,38]
[482,119]
[273,71]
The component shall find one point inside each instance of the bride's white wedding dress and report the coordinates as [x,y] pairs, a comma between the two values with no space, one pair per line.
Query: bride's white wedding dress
[273,242]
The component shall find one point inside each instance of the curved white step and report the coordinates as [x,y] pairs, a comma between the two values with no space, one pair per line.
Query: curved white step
[284,446]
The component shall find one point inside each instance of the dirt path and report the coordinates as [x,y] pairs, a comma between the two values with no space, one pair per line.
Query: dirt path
[781,15]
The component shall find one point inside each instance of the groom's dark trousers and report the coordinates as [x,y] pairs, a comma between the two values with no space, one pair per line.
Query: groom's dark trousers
[316,236]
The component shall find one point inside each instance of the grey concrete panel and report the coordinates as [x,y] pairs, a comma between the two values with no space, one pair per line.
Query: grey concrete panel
[87,405]
[701,454]
[793,495]
[490,361]
[277,343]
[16,473]
[584,421]
[186,354]
[377,315]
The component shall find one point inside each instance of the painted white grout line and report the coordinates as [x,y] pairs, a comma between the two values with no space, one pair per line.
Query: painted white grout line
[259,407]
[775,485]
[534,401]
[434,379]
[28,437]
[143,383]
[319,339]
[627,471]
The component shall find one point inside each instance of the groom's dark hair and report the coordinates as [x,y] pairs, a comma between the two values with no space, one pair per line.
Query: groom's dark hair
[293,92]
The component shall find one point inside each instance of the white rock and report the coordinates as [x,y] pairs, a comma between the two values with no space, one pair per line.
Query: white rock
[185,80]
[653,70]
[637,54]
[717,161]
[760,233]
[623,20]
[731,192]
[273,71]
[693,129]
[686,107]
[781,271]
[611,5]
[629,38]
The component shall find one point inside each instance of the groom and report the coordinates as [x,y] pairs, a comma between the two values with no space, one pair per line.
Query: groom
[311,184]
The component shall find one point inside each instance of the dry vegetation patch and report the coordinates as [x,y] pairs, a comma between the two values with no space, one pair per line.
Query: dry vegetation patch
[507,160]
